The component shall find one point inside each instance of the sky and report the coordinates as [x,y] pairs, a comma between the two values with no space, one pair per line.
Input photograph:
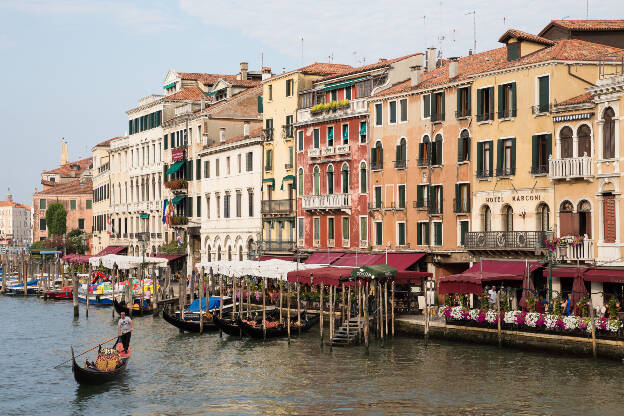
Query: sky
[70,69]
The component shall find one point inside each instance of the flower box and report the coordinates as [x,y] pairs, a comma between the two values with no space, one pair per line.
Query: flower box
[176,184]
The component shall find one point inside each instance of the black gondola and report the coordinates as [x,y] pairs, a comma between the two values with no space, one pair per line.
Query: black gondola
[121,307]
[231,327]
[281,330]
[190,323]
[90,375]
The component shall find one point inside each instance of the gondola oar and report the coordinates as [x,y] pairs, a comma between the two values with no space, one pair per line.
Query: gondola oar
[84,352]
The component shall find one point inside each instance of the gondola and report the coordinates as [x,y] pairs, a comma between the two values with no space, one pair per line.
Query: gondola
[91,375]
[64,293]
[231,327]
[121,307]
[281,331]
[190,323]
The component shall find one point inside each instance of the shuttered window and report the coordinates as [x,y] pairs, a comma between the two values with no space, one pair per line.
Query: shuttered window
[401,233]
[427,106]
[378,233]
[609,218]
[463,229]
[437,233]
[378,114]
[544,94]
[392,109]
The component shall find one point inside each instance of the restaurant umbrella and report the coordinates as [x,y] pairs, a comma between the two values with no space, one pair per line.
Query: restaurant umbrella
[578,289]
[527,289]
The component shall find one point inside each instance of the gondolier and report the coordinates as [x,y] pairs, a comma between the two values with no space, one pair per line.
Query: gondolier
[124,330]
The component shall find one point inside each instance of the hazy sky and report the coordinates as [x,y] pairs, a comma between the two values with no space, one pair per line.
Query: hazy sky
[72,68]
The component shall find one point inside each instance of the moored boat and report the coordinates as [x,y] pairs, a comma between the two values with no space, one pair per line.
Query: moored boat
[254,329]
[136,311]
[63,293]
[96,300]
[91,374]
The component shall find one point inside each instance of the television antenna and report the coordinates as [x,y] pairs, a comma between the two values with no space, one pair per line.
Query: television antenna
[474,28]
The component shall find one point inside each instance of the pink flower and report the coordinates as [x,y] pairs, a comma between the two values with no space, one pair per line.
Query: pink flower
[540,321]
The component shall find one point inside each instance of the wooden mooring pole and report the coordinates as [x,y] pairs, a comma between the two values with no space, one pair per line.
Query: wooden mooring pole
[288,312]
[593,326]
[75,294]
[321,290]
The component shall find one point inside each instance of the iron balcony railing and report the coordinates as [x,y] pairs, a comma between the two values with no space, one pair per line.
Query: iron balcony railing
[424,161]
[508,113]
[278,206]
[278,245]
[464,112]
[539,169]
[268,133]
[400,164]
[505,240]
[288,130]
[461,206]
[541,108]
[485,116]
[484,173]
[505,171]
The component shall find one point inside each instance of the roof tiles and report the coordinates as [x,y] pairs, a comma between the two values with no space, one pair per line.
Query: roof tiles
[67,171]
[76,187]
[587,25]
[518,34]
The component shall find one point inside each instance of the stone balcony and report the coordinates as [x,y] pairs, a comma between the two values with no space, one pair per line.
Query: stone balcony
[355,108]
[314,152]
[278,207]
[343,149]
[327,151]
[582,252]
[571,168]
[327,202]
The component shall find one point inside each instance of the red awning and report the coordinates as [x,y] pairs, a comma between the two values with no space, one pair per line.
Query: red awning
[410,276]
[285,258]
[111,250]
[604,275]
[357,259]
[169,257]
[504,267]
[402,261]
[566,272]
[76,258]
[323,258]
[327,275]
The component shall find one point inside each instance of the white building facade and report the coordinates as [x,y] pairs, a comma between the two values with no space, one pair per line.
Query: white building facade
[15,223]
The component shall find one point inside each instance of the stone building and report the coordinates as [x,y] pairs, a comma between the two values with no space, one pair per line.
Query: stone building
[15,223]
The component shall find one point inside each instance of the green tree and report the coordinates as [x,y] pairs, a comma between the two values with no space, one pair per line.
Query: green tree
[74,241]
[56,219]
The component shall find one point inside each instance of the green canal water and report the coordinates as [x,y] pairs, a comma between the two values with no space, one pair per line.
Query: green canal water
[171,373]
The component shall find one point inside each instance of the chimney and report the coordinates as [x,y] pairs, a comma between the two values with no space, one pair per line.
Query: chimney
[453,67]
[222,135]
[415,74]
[469,52]
[64,155]
[9,196]
[430,57]
[266,72]
[203,104]
[246,129]
[243,69]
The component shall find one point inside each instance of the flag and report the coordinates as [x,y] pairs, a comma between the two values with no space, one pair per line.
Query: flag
[179,238]
[164,214]
[108,226]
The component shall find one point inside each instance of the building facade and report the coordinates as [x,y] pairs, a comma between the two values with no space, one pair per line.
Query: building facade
[102,220]
[15,223]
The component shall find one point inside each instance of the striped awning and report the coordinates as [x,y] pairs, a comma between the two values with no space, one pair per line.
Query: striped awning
[175,167]
[342,84]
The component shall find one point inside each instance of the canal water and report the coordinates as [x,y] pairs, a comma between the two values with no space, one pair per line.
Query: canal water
[170,373]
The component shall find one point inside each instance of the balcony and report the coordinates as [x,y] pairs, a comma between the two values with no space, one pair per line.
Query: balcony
[464,112]
[326,202]
[327,151]
[423,161]
[461,206]
[288,166]
[539,170]
[278,246]
[177,186]
[508,113]
[507,240]
[541,109]
[583,251]
[278,207]
[143,236]
[268,134]
[354,108]
[288,131]
[314,152]
[400,164]
[571,168]
[343,149]
[504,172]
[485,116]
[437,117]
[484,174]
[268,167]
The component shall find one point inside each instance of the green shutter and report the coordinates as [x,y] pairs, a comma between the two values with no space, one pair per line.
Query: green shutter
[460,145]
[463,230]
[419,196]
[438,145]
[260,109]
[441,199]
[398,154]
[491,89]
[457,198]
[513,51]
[479,157]
[199,206]
[543,94]
[172,140]
[535,152]
[513,156]
[129,127]
[549,144]
[499,155]
[419,237]
[513,99]
[374,158]
[427,231]
[458,96]
[427,104]
[198,169]
[501,101]
[491,157]
[421,149]
[89,204]
[479,105]
[401,196]
[469,108]
[442,110]
[189,170]
[438,233]
[166,142]
[468,197]
[165,173]
[189,206]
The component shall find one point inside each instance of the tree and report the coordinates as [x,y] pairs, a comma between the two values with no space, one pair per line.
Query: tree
[56,219]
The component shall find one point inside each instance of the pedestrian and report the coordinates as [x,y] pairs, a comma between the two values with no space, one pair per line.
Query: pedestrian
[124,330]
[493,295]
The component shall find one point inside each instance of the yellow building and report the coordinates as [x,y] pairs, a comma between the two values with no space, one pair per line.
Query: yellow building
[280,100]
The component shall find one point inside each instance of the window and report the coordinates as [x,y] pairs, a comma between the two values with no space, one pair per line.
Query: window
[207,169]
[362,132]
[422,233]
[226,205]
[289,126]
[198,213]
[300,229]
[422,196]
[424,152]
[333,95]
[608,134]
[239,204]
[198,169]
[300,182]
[344,176]
[485,104]
[543,97]
[427,106]
[300,140]
[250,204]
[609,218]
[227,165]
[507,100]
[463,102]
[363,187]
[463,146]
[437,106]
[378,233]
[189,206]
[484,159]
[462,198]
[464,226]
[217,167]
[268,131]
[330,136]
[583,134]
[401,154]
[345,134]
[506,158]
[363,230]
[291,158]
[401,233]
[507,218]
[513,51]
[436,151]
[584,218]
[347,93]
[565,142]
[330,179]
[345,231]
[208,206]
[317,180]
[240,165]
[543,217]
[486,219]
[270,93]
[268,162]
[403,110]
[90,203]
[542,147]
[378,114]
[377,156]
[330,228]
[42,224]
[392,112]
[378,198]
[436,199]
[316,139]
[437,233]
[317,230]
[289,88]
[72,204]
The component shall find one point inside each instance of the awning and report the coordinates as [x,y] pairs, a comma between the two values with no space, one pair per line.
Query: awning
[169,86]
[342,84]
[176,200]
[175,167]
[504,267]
[331,276]
[403,261]
[144,216]
[323,258]
[356,259]
[288,178]
[268,180]
[285,258]
[169,257]
[374,271]
[410,276]
[604,275]
[76,258]
[111,250]
[564,272]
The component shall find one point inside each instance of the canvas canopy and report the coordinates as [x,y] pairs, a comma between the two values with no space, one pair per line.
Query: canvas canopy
[126,262]
[271,269]
[374,271]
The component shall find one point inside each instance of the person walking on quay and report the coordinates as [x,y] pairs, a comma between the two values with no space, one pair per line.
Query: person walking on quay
[124,330]
[493,295]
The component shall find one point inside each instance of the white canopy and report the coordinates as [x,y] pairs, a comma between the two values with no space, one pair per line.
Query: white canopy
[126,262]
[271,269]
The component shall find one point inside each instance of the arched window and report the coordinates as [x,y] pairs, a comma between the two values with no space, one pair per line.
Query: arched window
[584,218]
[377,156]
[330,179]
[566,206]
[463,147]
[436,151]
[344,176]
[209,253]
[240,253]
[229,253]
[565,139]
[584,140]
[507,218]
[218,253]
[401,154]
[363,188]
[486,219]
[250,244]
[424,150]
[566,219]
[608,134]
[543,217]
[300,182]
[317,180]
